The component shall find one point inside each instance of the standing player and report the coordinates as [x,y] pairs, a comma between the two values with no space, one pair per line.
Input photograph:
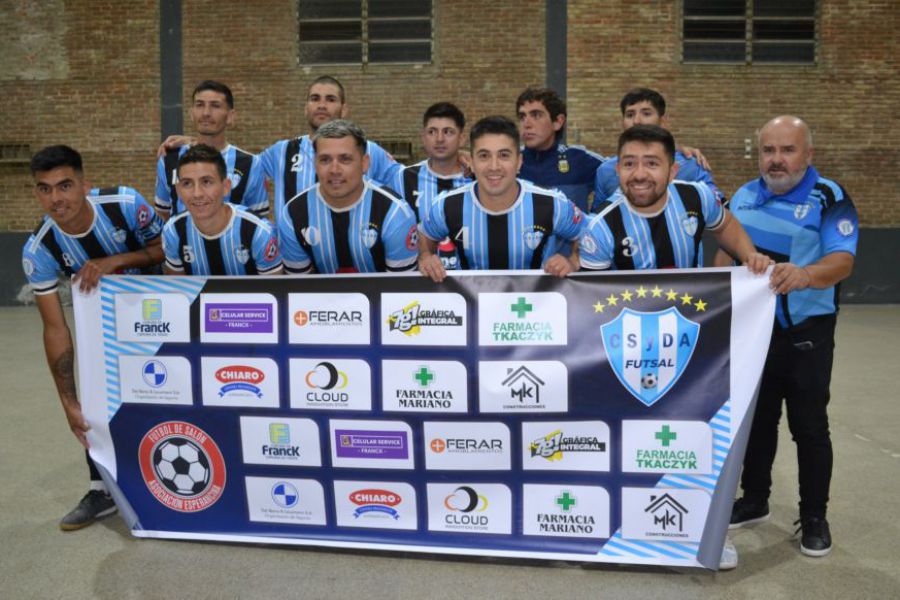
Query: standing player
[642,106]
[499,221]
[808,224]
[290,163]
[658,224]
[212,113]
[345,223]
[214,237]
[420,184]
[546,161]
[87,237]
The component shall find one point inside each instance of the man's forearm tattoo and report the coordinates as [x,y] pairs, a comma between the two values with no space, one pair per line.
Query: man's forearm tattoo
[64,372]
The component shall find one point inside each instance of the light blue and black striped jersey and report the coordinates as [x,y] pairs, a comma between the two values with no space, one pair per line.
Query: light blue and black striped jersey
[621,238]
[247,246]
[606,183]
[290,164]
[248,185]
[377,233]
[523,236]
[419,185]
[816,218]
[123,222]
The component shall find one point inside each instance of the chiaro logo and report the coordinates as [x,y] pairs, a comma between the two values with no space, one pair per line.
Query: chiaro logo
[240,378]
[375,503]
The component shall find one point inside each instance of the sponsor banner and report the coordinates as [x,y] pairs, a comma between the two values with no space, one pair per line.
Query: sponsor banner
[238,318]
[329,319]
[280,441]
[523,386]
[666,447]
[423,319]
[246,409]
[371,444]
[565,446]
[182,466]
[661,514]
[291,501]
[375,504]
[577,511]
[155,380]
[438,386]
[239,381]
[519,319]
[331,384]
[152,318]
[469,507]
[466,446]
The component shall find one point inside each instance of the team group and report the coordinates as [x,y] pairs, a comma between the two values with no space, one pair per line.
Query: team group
[518,199]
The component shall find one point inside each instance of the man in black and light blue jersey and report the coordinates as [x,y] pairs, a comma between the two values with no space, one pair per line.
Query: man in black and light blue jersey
[643,106]
[86,235]
[345,223]
[657,222]
[808,225]
[212,113]
[499,221]
[419,184]
[215,237]
[290,163]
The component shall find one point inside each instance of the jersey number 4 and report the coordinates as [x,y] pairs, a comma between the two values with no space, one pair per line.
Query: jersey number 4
[463,236]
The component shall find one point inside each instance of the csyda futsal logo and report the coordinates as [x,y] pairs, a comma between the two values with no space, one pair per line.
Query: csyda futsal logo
[649,350]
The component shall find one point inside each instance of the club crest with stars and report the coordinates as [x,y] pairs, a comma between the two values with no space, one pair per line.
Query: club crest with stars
[649,350]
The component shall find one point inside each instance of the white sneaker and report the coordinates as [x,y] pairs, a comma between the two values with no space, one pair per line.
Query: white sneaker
[729,558]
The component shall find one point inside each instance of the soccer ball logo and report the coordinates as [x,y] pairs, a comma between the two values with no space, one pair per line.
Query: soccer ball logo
[181,466]
[648,381]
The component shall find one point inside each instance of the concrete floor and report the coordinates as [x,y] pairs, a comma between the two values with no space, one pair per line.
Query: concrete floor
[42,475]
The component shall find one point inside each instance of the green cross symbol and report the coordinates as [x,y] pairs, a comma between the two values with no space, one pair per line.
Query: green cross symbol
[666,436]
[566,501]
[423,376]
[521,308]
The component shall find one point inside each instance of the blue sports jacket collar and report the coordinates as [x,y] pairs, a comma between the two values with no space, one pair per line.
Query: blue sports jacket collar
[797,195]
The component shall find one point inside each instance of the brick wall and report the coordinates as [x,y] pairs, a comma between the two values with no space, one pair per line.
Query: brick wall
[849,98]
[87,74]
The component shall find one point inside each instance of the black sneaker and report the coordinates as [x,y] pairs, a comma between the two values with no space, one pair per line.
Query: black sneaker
[816,537]
[93,506]
[745,513]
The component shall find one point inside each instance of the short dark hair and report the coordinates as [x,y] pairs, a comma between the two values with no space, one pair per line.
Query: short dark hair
[341,128]
[329,80]
[445,110]
[644,95]
[495,124]
[552,101]
[201,153]
[648,134]
[52,157]
[214,86]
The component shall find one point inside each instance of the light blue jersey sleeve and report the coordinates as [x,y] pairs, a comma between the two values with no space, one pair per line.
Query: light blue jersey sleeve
[568,219]
[606,181]
[434,221]
[256,198]
[713,211]
[41,269]
[596,247]
[142,219]
[268,158]
[382,167]
[294,257]
[400,238]
[163,196]
[266,254]
[170,245]
[839,231]
[690,170]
